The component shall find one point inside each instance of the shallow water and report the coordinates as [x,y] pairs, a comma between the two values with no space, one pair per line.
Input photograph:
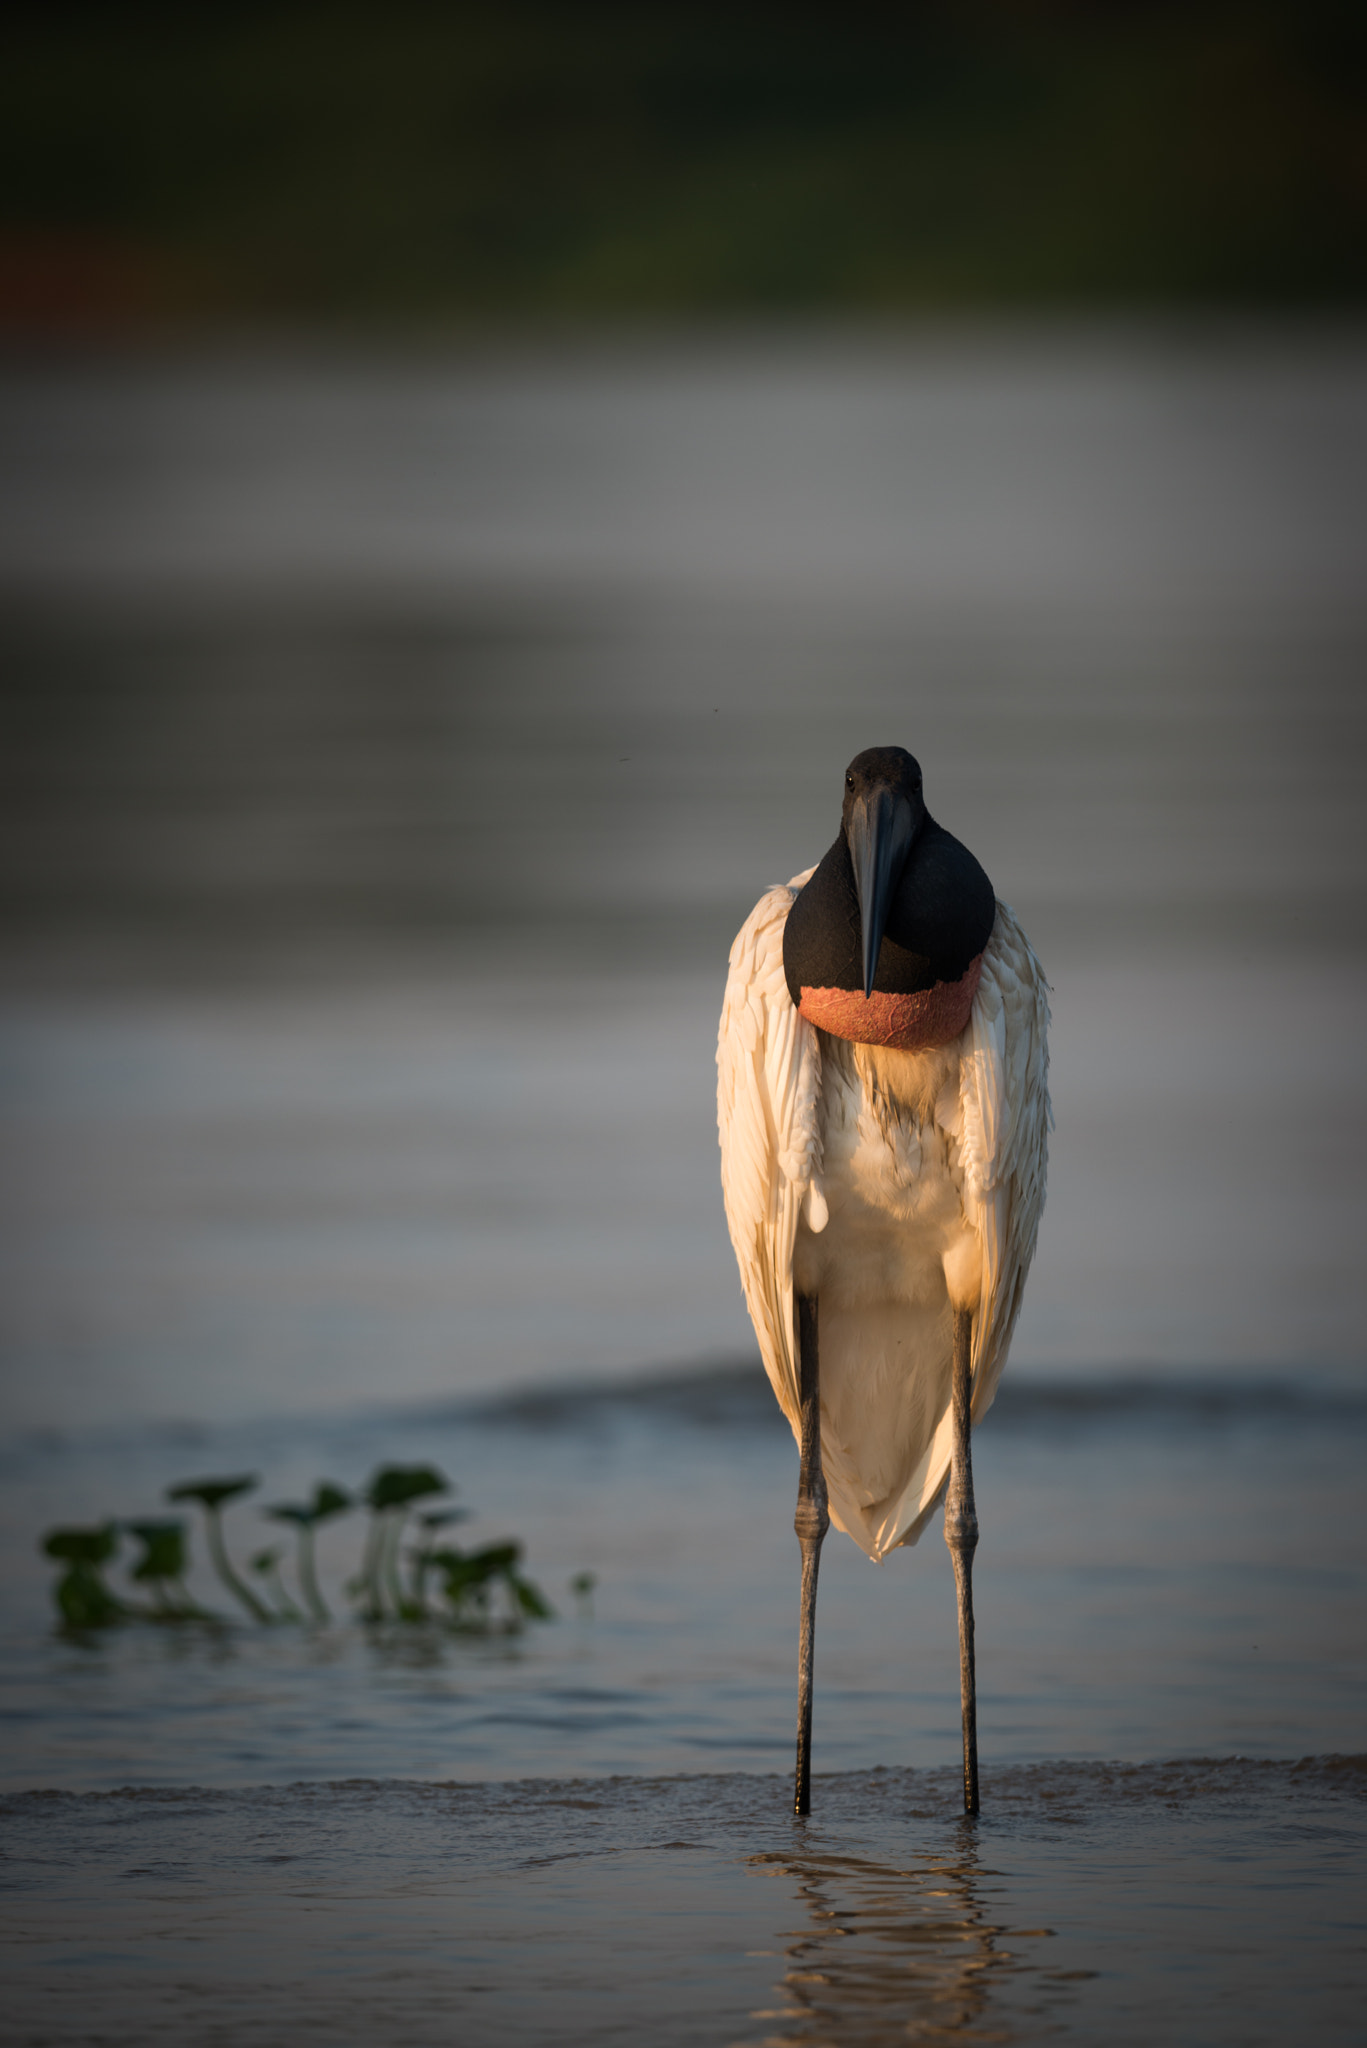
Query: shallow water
[403,1834]
[1153,1580]
[1195,1903]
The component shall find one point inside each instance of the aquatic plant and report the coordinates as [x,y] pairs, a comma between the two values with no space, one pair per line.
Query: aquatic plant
[83,1599]
[213,1495]
[481,1590]
[470,1579]
[328,1501]
[162,1567]
[392,1491]
[421,1554]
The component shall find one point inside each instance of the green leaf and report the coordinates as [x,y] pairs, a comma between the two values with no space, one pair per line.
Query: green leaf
[328,1500]
[83,1546]
[394,1486]
[84,1600]
[163,1550]
[529,1598]
[468,1577]
[461,1573]
[500,1557]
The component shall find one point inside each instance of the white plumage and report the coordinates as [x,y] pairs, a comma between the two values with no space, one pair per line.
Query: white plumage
[895,1187]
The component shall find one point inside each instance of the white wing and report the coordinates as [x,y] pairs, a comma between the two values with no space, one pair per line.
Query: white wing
[1004,1137]
[768,1086]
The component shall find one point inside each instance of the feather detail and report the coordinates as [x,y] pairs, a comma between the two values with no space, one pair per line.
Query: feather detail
[961,1132]
[1006,1117]
[768,1087]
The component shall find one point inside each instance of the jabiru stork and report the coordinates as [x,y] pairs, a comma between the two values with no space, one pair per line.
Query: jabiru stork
[883,1108]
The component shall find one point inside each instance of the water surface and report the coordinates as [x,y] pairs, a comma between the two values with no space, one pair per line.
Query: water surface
[1153,1581]
[1196,1903]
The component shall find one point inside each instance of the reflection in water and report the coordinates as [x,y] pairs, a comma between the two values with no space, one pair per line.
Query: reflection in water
[895,1953]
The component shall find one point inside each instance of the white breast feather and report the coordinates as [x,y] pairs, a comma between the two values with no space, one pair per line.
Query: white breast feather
[769,1076]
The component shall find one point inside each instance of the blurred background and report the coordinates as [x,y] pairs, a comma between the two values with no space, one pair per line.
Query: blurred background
[470,477]
[415,164]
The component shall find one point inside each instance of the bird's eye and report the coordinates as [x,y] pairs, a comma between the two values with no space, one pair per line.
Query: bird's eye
[849,782]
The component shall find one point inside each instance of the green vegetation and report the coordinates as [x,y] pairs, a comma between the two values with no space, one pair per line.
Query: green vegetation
[472,1583]
[328,1501]
[162,1567]
[389,1496]
[424,163]
[83,1598]
[483,1591]
[213,1495]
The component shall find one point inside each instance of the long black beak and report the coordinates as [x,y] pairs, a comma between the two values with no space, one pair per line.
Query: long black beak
[879,835]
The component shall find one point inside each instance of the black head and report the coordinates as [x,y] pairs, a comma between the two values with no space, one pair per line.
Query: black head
[879,768]
[884,809]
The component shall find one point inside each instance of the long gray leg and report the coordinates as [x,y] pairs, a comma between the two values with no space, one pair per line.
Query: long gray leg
[961,1534]
[811,1523]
